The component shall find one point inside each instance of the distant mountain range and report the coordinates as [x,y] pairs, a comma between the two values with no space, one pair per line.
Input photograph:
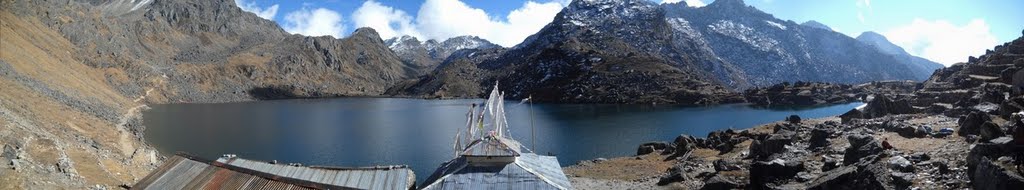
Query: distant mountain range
[629,51]
[918,65]
[425,56]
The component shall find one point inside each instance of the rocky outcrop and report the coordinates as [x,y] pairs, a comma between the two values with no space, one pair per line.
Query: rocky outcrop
[652,147]
[778,171]
[900,135]
[971,123]
[774,144]
[861,146]
[880,106]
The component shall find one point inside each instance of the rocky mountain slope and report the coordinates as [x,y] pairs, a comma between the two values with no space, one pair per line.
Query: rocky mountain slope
[631,51]
[962,128]
[920,66]
[425,56]
[816,24]
[593,51]
[76,73]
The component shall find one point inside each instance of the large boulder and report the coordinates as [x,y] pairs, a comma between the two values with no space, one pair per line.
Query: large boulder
[883,105]
[819,138]
[1010,106]
[986,151]
[643,150]
[774,144]
[721,182]
[970,124]
[850,115]
[861,146]
[989,131]
[993,175]
[899,163]
[795,119]
[863,175]
[651,147]
[763,174]
[904,129]
[684,144]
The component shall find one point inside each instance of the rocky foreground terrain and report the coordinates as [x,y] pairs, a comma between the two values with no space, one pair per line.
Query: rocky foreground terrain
[962,128]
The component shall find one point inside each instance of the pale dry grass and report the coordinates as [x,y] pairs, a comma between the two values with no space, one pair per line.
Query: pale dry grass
[42,54]
[624,168]
[51,130]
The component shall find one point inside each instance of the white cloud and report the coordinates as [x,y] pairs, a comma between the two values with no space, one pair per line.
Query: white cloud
[692,3]
[942,41]
[388,22]
[250,6]
[525,21]
[317,22]
[864,3]
[861,6]
[443,19]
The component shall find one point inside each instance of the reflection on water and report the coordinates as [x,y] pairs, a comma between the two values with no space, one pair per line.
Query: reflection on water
[419,133]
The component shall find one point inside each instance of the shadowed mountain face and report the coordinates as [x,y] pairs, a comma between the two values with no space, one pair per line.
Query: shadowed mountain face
[212,51]
[921,67]
[622,51]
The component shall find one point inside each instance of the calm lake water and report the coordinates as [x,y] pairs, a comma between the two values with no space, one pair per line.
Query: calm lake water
[420,133]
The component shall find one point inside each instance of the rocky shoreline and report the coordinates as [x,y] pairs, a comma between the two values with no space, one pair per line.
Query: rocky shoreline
[963,128]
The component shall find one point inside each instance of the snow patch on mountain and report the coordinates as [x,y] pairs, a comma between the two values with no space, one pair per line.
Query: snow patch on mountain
[744,33]
[775,24]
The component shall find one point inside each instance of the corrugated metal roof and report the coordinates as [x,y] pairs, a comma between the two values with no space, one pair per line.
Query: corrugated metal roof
[183,171]
[378,177]
[529,171]
[492,146]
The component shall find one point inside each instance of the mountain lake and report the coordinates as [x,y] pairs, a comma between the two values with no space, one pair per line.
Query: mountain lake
[420,133]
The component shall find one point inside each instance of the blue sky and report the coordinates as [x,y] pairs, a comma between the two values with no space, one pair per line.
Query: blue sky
[945,31]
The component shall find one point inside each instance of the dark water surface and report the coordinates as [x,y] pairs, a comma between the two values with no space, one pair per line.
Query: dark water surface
[420,133]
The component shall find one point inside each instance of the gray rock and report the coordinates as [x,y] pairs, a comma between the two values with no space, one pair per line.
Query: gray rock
[722,165]
[829,164]
[805,176]
[684,143]
[1002,140]
[819,138]
[644,149]
[882,105]
[902,180]
[989,131]
[869,176]
[721,182]
[989,175]
[970,124]
[860,146]
[775,144]
[899,163]
[985,151]
[773,172]
[651,147]
[795,119]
